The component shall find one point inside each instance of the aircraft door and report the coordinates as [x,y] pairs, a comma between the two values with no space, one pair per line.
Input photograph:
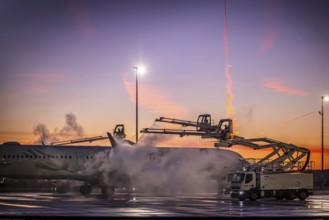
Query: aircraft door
[80,160]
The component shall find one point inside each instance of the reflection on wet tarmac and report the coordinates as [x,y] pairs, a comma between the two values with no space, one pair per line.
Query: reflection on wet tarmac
[48,204]
[20,205]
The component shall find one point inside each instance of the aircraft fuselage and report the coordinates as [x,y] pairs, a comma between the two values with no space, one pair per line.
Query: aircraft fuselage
[46,162]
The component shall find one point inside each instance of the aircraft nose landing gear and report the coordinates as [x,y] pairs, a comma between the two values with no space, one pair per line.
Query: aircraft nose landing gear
[85,189]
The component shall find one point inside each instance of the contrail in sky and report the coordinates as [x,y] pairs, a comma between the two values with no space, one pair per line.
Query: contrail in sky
[229,95]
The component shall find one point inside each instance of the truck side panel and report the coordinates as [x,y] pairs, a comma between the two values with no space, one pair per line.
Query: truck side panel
[282,181]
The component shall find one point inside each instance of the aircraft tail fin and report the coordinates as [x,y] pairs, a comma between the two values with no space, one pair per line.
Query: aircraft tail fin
[114,143]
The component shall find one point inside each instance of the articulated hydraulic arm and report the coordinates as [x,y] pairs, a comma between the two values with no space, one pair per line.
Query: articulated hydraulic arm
[204,122]
[283,157]
[119,132]
[75,141]
[204,128]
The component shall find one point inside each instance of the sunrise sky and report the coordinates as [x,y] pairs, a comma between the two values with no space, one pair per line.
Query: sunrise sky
[77,57]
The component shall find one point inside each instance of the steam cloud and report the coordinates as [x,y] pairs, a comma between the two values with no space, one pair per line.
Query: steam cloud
[166,171]
[71,128]
[42,131]
[229,95]
[153,139]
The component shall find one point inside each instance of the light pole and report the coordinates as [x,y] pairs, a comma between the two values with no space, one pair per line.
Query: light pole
[323,98]
[138,69]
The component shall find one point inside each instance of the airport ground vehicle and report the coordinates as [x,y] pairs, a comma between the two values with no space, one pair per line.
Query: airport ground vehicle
[278,174]
[254,185]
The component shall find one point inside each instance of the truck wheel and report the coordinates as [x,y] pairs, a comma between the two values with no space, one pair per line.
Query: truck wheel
[290,195]
[302,195]
[253,196]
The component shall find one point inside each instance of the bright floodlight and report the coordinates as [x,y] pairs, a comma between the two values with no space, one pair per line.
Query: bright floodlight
[141,69]
[326,98]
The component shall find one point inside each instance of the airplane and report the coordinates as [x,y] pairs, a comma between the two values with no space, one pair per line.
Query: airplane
[54,162]
[124,163]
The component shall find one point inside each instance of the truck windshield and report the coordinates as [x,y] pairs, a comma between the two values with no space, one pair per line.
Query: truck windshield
[238,178]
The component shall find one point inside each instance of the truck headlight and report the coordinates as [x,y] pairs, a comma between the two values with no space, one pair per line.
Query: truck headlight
[241,192]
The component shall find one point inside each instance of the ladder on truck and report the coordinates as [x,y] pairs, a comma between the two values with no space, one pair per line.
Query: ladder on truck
[283,157]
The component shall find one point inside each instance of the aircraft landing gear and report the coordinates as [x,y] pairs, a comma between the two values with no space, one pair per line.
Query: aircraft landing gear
[107,192]
[85,189]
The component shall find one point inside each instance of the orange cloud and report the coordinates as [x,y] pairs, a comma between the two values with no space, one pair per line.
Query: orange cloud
[280,87]
[14,93]
[268,42]
[39,90]
[154,98]
[81,17]
[35,83]
[46,76]
[229,95]
[272,20]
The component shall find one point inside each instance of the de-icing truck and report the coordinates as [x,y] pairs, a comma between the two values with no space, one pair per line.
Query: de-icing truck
[254,185]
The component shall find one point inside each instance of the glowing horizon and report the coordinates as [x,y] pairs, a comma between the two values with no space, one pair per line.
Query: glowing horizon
[76,57]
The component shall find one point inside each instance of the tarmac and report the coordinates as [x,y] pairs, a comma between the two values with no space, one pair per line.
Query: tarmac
[69,205]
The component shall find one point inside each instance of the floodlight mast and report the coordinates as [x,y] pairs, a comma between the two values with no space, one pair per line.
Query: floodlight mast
[138,70]
[323,98]
[136,73]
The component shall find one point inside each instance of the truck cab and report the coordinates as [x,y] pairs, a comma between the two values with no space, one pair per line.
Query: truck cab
[243,185]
